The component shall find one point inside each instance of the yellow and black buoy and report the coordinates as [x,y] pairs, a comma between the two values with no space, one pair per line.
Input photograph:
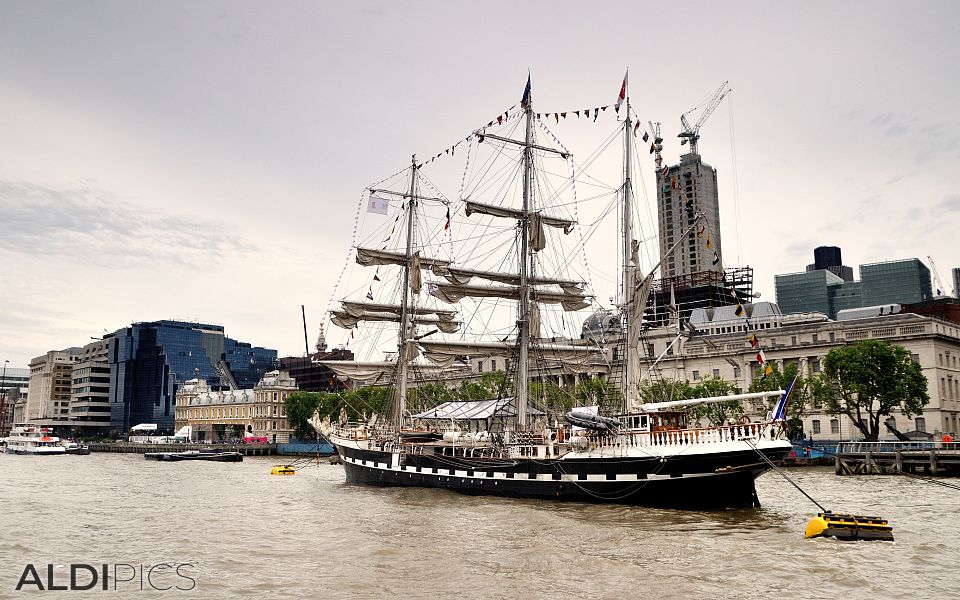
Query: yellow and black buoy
[283,470]
[849,527]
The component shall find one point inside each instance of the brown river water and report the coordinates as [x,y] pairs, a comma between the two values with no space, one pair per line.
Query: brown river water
[235,531]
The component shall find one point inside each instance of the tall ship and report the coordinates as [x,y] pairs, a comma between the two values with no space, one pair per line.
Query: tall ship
[33,440]
[517,288]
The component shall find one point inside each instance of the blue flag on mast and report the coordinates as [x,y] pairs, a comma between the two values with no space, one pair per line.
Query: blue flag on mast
[526,94]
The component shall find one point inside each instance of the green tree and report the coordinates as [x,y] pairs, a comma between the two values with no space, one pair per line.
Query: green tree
[602,392]
[665,390]
[366,401]
[551,397]
[300,407]
[428,395]
[872,379]
[717,413]
[811,392]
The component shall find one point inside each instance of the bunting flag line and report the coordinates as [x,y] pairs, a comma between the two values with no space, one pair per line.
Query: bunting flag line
[508,116]
[370,294]
[446,225]
[754,342]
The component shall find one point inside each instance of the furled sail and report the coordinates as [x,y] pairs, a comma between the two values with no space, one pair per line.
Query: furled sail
[452,293]
[462,276]
[538,238]
[357,308]
[443,353]
[380,372]
[349,320]
[370,257]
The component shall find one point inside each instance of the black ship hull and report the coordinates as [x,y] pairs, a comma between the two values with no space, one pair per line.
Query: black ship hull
[717,480]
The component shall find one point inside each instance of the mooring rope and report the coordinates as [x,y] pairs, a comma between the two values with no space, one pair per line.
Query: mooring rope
[784,475]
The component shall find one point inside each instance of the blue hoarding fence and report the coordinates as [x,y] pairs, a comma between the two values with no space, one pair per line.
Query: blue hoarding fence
[305,448]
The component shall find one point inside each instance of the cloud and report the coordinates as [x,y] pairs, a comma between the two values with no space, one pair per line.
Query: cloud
[91,225]
[802,248]
[950,203]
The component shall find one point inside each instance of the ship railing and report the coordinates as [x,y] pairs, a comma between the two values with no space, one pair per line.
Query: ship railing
[707,435]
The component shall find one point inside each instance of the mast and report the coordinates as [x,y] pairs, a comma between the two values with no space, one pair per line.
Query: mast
[404,304]
[628,270]
[524,310]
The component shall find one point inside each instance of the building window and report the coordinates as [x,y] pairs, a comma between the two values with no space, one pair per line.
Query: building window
[833,336]
[479,366]
[834,425]
[696,375]
[921,423]
[815,365]
[716,373]
[816,425]
[815,338]
[736,372]
[793,340]
[493,364]
[916,358]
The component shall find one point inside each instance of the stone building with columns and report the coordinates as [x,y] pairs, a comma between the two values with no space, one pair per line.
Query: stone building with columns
[222,416]
[723,350]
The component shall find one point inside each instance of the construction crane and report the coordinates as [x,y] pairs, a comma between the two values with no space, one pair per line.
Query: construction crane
[936,278]
[692,133]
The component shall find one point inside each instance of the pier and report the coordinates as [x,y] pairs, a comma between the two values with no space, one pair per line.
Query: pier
[290,449]
[130,448]
[891,458]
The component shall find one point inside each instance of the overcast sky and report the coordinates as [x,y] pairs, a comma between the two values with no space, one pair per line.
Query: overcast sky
[204,160]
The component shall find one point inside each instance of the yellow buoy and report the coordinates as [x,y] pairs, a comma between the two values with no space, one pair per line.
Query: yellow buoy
[815,527]
[849,527]
[283,470]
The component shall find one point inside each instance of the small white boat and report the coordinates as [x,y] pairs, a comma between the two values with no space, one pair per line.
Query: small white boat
[33,440]
[74,447]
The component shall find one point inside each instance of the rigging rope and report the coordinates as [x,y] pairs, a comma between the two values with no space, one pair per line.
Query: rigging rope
[782,474]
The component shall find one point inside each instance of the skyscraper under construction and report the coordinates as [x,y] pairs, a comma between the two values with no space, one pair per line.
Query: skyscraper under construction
[693,273]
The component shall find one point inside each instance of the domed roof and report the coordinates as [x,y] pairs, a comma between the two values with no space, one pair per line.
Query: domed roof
[602,322]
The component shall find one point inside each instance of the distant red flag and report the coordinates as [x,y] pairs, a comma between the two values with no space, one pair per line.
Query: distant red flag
[623,93]
[447,225]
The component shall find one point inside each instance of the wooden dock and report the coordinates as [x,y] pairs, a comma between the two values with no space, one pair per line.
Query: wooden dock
[127,447]
[891,458]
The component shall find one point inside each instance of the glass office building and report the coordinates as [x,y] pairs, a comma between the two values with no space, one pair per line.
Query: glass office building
[895,282]
[806,292]
[150,361]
